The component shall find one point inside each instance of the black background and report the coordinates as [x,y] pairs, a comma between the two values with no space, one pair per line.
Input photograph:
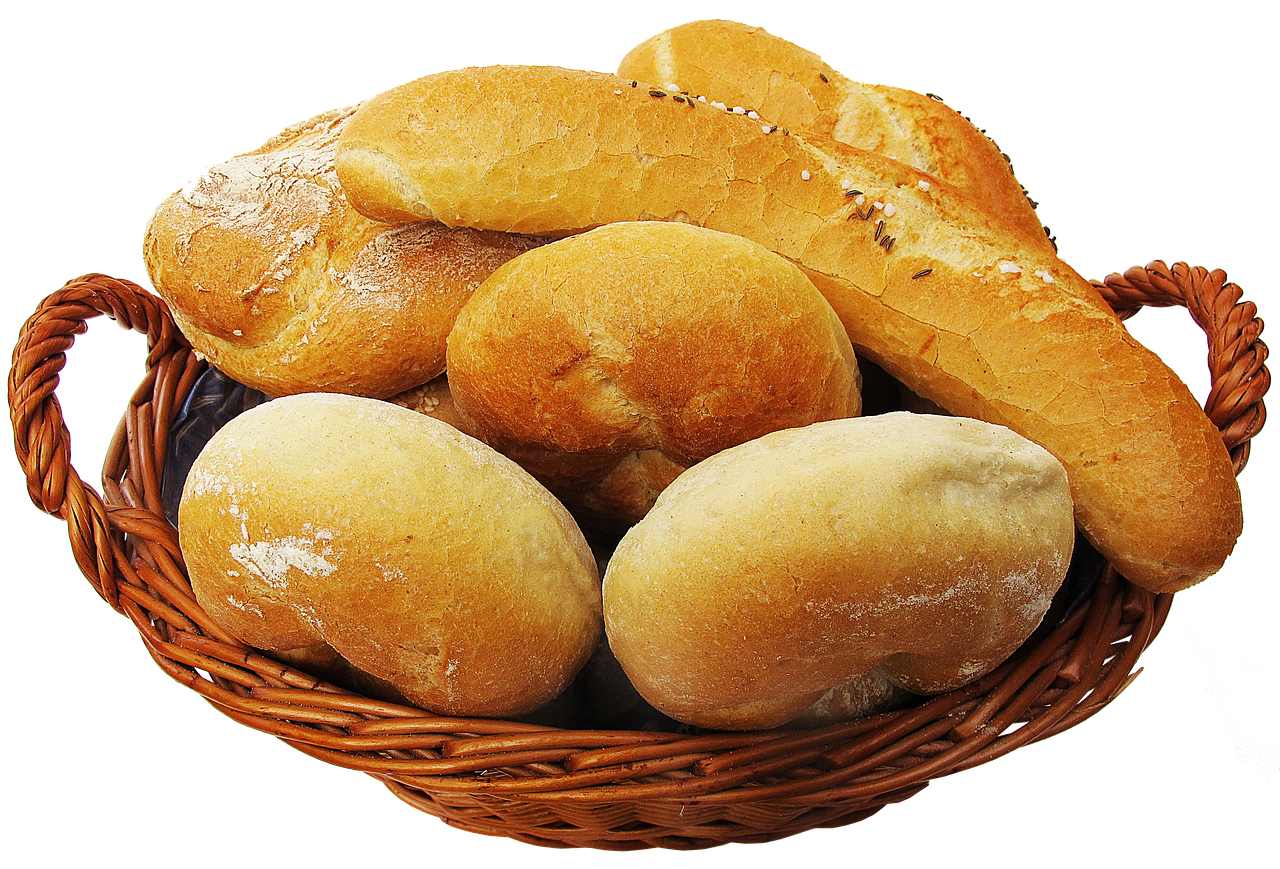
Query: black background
[1138,143]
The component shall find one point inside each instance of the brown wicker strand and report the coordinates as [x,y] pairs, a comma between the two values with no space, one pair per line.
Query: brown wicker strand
[464,728]
[768,745]
[626,749]
[1138,287]
[868,778]
[576,740]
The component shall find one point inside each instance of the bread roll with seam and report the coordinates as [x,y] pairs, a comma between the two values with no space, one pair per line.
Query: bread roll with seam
[332,528]
[608,362]
[962,310]
[786,84]
[282,285]
[921,550]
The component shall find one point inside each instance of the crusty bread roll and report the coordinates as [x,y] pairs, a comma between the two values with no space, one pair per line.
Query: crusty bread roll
[330,526]
[923,549]
[273,276]
[747,66]
[435,399]
[946,298]
[608,362]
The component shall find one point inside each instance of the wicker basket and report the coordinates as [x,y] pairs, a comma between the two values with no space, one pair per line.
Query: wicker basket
[617,790]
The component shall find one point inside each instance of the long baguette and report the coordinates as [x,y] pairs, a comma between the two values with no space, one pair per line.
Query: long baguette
[964,313]
[747,66]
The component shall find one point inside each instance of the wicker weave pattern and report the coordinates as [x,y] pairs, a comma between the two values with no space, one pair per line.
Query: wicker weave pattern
[1237,359]
[604,789]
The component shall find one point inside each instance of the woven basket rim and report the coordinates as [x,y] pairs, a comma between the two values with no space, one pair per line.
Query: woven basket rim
[603,789]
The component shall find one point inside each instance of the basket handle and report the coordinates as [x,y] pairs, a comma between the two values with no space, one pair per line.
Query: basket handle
[40,433]
[1237,358]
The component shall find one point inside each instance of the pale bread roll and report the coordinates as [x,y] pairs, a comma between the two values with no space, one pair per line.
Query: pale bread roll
[608,362]
[329,526]
[949,300]
[280,283]
[746,66]
[922,549]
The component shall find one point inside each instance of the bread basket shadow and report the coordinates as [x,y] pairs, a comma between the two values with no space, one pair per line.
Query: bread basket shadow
[607,789]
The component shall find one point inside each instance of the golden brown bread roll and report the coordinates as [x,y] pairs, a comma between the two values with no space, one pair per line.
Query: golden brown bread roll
[608,362]
[950,301]
[330,526]
[747,66]
[273,276]
[921,550]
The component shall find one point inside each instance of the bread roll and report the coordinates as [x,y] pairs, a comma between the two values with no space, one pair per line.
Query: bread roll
[922,549]
[747,66]
[608,362]
[950,301]
[330,526]
[435,399]
[273,276]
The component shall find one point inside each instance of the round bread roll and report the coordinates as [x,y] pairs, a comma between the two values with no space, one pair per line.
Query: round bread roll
[324,527]
[924,548]
[273,276]
[608,362]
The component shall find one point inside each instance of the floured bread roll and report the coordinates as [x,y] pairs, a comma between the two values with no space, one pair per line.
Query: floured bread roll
[608,362]
[327,527]
[273,276]
[921,549]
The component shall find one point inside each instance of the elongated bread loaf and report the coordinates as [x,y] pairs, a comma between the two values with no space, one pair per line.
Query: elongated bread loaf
[920,549]
[608,362]
[333,528]
[747,66]
[274,277]
[978,319]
